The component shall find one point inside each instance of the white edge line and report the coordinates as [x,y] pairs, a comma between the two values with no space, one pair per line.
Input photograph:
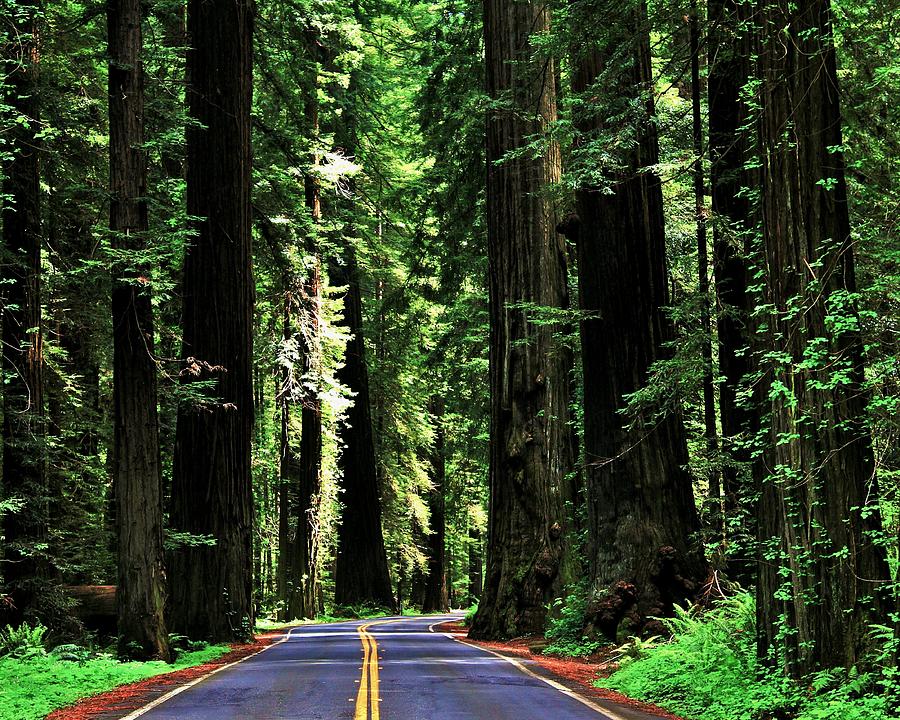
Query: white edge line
[196,681]
[552,683]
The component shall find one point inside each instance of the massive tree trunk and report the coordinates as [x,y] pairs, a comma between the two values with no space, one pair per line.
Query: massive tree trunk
[141,595]
[821,572]
[435,581]
[24,467]
[531,452]
[211,585]
[729,149]
[643,523]
[361,574]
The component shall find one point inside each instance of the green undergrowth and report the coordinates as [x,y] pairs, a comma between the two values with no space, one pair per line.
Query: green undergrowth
[470,615]
[346,614]
[34,682]
[709,671]
[565,625]
[333,615]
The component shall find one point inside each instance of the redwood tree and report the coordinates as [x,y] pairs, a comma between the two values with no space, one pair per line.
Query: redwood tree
[730,46]
[361,573]
[141,595]
[642,520]
[435,597]
[821,574]
[211,574]
[531,451]
[24,467]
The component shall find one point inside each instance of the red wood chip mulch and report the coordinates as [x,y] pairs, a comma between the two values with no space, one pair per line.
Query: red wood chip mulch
[580,673]
[121,701]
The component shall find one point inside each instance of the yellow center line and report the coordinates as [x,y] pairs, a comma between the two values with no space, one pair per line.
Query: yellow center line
[368,697]
[362,695]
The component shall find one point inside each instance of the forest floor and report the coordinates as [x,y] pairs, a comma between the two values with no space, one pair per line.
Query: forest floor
[575,673]
[121,700]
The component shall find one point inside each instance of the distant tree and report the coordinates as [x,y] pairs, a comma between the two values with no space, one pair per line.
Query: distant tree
[211,584]
[531,452]
[730,148]
[435,597]
[141,596]
[361,572]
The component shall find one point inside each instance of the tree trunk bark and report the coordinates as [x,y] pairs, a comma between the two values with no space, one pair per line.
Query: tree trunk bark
[141,596]
[821,573]
[531,453]
[24,467]
[289,465]
[642,520]
[435,597]
[362,574]
[212,588]
[475,572]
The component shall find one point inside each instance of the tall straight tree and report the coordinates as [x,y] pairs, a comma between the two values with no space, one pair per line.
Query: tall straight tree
[729,149]
[303,599]
[141,595]
[435,581]
[642,520]
[531,451]
[821,574]
[361,573]
[24,467]
[211,584]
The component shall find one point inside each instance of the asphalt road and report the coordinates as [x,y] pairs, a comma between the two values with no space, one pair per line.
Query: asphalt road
[390,669]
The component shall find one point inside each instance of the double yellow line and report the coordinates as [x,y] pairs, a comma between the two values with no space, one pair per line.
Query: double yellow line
[368,696]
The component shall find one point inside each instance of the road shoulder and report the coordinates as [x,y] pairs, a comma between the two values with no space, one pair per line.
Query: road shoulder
[572,674]
[124,700]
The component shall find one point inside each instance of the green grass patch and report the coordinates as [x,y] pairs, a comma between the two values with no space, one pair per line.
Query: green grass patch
[470,615]
[708,671]
[31,687]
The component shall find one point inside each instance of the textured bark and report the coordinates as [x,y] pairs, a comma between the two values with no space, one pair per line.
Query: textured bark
[361,573]
[531,451]
[729,70]
[820,574]
[302,601]
[434,597]
[211,585]
[141,596]
[643,524]
[24,467]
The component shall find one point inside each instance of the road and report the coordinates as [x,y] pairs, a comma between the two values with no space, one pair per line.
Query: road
[390,669]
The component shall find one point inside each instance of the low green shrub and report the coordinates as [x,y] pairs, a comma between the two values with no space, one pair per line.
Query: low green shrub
[565,626]
[23,641]
[470,615]
[33,686]
[709,671]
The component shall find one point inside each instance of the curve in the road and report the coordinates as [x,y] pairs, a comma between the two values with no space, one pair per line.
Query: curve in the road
[407,673]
